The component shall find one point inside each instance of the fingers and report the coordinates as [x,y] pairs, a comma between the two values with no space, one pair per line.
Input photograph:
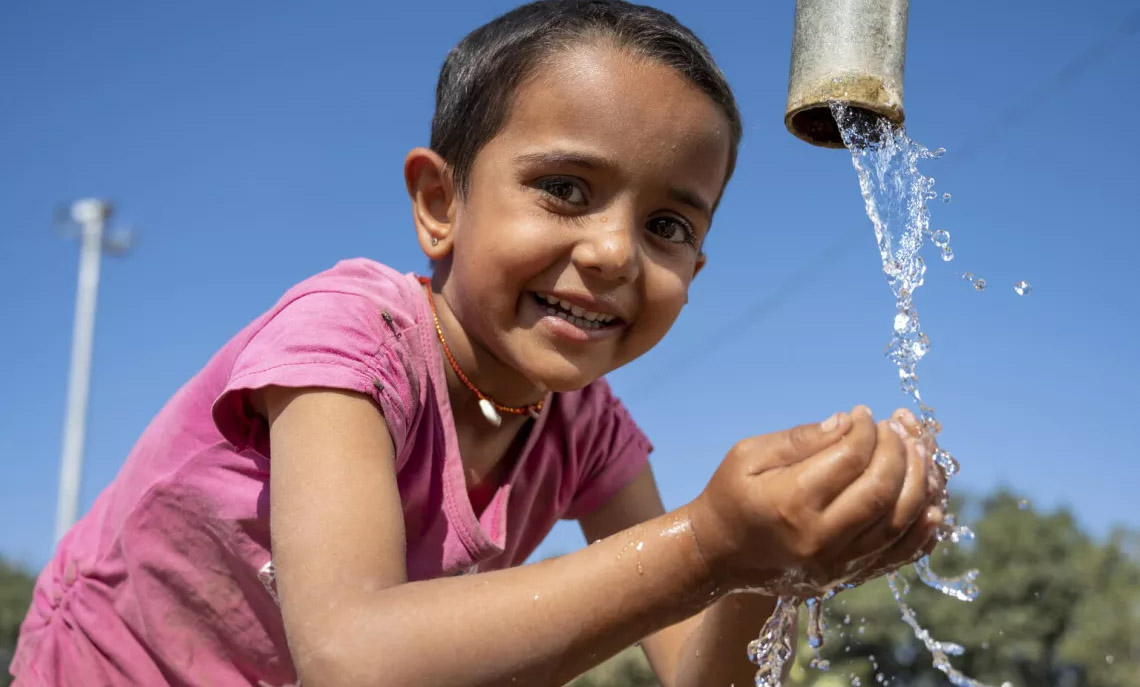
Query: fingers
[936,478]
[912,500]
[873,496]
[825,475]
[918,541]
[794,445]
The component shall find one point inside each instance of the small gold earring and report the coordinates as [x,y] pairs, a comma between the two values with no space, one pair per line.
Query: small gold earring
[434,241]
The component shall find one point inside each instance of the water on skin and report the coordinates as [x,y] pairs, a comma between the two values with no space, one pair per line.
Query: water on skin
[895,196]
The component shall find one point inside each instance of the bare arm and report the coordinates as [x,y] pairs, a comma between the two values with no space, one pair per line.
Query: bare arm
[707,649]
[353,619]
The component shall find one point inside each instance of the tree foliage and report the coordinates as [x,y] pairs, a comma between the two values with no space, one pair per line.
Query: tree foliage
[15,597]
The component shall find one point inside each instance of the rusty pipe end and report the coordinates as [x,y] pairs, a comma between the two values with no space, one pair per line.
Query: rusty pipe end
[851,52]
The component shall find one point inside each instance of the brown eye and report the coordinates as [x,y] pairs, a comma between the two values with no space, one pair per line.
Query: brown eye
[564,190]
[671,229]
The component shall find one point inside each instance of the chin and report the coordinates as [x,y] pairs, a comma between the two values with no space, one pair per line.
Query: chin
[564,377]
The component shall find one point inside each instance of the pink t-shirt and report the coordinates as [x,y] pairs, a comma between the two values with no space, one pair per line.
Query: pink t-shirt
[169,578]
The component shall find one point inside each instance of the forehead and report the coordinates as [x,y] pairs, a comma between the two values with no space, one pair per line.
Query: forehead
[616,104]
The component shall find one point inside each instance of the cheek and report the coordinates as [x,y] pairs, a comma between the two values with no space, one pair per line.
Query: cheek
[669,289]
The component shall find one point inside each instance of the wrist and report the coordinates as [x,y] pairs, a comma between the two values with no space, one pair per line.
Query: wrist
[709,546]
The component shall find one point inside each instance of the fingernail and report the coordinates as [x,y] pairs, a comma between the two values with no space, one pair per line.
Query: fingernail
[898,428]
[864,409]
[831,422]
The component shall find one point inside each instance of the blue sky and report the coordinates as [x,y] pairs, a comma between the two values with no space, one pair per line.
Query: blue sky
[253,144]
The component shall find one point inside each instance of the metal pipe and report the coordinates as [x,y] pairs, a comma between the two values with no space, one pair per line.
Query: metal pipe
[852,51]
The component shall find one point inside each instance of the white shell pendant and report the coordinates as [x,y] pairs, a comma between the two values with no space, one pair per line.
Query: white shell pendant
[489,412]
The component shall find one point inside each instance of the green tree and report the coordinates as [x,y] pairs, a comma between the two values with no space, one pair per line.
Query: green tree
[15,597]
[1053,604]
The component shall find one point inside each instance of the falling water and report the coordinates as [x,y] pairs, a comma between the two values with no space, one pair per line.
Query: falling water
[896,196]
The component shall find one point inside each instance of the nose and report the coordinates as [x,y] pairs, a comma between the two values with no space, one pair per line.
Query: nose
[609,248]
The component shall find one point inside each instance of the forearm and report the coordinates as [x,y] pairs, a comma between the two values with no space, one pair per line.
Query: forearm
[540,624]
[715,654]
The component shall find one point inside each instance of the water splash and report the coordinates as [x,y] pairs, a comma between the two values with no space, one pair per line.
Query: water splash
[772,649]
[895,194]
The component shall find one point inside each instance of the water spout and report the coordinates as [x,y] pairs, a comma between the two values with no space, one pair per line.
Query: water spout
[849,51]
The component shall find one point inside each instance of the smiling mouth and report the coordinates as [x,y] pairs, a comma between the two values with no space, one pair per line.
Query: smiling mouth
[575,315]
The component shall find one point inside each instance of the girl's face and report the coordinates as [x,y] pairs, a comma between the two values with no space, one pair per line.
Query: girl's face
[573,249]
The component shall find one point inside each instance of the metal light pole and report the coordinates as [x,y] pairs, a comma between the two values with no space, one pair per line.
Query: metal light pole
[91,215]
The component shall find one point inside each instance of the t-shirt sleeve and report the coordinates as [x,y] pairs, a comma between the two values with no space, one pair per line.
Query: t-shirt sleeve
[323,339]
[618,452]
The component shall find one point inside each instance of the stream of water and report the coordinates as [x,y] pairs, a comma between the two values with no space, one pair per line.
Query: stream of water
[896,194]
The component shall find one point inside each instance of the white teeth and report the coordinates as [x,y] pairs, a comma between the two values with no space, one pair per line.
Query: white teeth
[587,319]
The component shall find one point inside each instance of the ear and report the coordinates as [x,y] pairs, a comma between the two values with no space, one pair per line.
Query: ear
[701,260]
[433,197]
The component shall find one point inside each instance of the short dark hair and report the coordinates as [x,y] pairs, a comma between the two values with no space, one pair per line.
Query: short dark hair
[480,76]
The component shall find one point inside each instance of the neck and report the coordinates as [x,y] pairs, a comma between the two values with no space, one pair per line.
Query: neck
[498,382]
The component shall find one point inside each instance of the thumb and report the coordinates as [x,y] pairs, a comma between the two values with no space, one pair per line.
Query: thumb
[798,443]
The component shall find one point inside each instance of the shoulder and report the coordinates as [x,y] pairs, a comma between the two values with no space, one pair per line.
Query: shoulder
[355,327]
[595,416]
[396,296]
[603,448]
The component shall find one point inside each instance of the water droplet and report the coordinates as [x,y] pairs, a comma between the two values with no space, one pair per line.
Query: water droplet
[880,678]
[921,346]
[847,619]
[862,630]
[946,462]
[938,153]
[1109,659]
[820,663]
[754,650]
[902,320]
[947,254]
[941,238]
[1023,504]
[968,276]
[640,570]
[856,682]
[1023,288]
[945,197]
[980,285]
[1007,684]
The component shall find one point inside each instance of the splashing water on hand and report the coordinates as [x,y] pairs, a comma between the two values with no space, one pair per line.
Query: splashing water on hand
[895,194]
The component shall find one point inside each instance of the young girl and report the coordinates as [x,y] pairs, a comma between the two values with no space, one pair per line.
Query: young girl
[345,493]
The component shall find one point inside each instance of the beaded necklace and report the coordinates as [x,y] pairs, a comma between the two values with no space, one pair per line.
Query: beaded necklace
[489,407]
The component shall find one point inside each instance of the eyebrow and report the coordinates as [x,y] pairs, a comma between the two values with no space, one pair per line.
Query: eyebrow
[690,198]
[592,162]
[564,157]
